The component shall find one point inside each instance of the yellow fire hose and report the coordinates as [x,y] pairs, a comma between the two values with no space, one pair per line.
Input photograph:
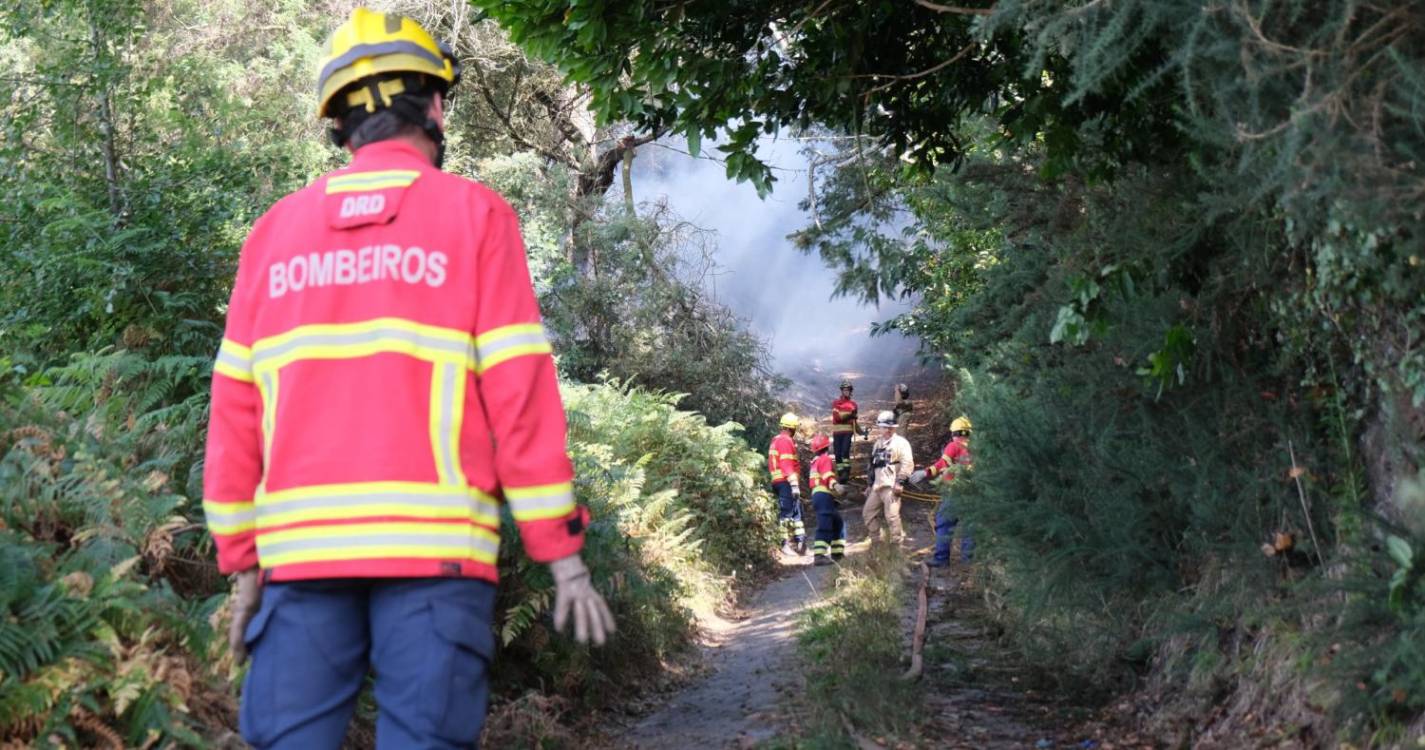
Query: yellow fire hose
[925,496]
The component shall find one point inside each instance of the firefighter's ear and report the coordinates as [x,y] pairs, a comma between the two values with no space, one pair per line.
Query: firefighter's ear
[436,111]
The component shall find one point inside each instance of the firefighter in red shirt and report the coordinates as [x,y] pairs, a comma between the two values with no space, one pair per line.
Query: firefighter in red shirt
[786,485]
[955,457]
[843,429]
[830,541]
[383,386]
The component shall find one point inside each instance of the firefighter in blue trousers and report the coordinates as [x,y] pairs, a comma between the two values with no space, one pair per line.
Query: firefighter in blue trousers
[830,541]
[786,485]
[956,456]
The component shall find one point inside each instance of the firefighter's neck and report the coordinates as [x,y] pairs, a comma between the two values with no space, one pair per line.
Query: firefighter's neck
[420,142]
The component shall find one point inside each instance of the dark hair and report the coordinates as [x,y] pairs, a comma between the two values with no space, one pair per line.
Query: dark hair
[403,116]
[383,124]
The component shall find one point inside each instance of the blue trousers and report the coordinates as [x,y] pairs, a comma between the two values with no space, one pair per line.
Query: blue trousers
[841,449]
[945,522]
[830,528]
[789,512]
[428,640]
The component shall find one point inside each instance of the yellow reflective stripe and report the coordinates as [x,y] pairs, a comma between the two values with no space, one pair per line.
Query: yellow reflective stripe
[447,404]
[336,502]
[359,181]
[376,336]
[508,342]
[437,439]
[456,410]
[228,518]
[541,502]
[223,368]
[267,389]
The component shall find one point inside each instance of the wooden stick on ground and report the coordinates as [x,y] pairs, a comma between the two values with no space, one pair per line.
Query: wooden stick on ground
[917,644]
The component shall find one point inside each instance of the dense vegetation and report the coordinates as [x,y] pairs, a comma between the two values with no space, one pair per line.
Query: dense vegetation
[140,141]
[1172,250]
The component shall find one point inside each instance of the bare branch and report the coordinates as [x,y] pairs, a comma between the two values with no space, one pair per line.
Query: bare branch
[957,10]
[928,71]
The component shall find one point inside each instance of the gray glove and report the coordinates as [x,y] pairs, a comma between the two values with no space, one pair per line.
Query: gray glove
[796,492]
[574,591]
[245,600]
[917,476]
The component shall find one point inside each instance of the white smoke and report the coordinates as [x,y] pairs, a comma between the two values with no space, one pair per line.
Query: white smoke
[785,296]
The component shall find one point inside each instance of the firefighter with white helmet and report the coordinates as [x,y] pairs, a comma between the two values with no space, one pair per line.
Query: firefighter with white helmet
[890,467]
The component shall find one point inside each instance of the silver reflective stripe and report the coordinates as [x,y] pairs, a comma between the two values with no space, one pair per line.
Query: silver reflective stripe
[523,506]
[361,337]
[358,540]
[234,361]
[445,444]
[267,509]
[488,351]
[228,518]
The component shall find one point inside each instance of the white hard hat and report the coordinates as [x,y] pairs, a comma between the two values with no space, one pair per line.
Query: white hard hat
[886,419]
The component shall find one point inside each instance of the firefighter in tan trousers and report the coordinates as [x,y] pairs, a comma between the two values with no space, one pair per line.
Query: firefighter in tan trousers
[891,465]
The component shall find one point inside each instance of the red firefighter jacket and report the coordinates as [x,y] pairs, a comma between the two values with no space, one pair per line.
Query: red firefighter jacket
[957,452]
[823,473]
[843,415]
[384,383]
[782,460]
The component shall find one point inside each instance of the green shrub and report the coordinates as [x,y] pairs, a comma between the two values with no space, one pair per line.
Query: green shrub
[852,643]
[679,511]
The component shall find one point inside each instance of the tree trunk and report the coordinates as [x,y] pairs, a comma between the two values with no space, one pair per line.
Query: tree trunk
[106,129]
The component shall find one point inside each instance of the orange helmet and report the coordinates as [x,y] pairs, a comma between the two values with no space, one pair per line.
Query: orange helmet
[820,443]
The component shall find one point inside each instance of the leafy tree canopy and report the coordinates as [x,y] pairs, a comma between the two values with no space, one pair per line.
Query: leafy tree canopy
[904,71]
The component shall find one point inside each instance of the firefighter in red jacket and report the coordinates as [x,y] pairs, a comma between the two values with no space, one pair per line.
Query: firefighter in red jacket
[786,485]
[830,541]
[383,386]
[955,457]
[843,428]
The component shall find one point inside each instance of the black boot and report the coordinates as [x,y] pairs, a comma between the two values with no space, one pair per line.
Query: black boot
[821,560]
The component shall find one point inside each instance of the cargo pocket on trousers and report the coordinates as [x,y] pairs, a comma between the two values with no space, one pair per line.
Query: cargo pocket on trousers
[255,715]
[468,646]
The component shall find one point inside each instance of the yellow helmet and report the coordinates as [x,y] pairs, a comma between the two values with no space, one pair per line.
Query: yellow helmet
[370,44]
[961,424]
[790,421]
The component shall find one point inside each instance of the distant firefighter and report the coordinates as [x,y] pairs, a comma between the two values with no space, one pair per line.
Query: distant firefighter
[786,476]
[903,403]
[955,458]
[830,541]
[843,427]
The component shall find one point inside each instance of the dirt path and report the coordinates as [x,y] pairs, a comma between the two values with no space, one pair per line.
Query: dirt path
[752,668]
[977,694]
